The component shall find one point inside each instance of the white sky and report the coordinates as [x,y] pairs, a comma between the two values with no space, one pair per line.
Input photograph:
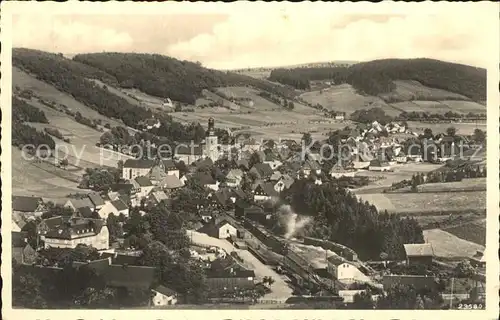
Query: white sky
[240,39]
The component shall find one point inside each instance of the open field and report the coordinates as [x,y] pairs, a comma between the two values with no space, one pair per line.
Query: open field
[472,231]
[411,89]
[47,92]
[344,98]
[259,103]
[447,245]
[137,97]
[267,124]
[465,106]
[39,179]
[439,202]
[462,127]
[476,184]
[400,172]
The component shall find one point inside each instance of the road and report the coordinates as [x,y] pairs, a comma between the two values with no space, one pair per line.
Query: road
[280,290]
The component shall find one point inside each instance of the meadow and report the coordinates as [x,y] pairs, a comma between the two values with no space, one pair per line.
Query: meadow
[473,231]
[448,245]
[410,90]
[47,92]
[344,98]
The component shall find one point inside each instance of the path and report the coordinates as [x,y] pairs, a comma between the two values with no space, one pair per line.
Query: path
[280,289]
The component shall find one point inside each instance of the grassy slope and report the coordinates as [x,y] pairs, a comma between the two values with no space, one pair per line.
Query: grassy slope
[45,179]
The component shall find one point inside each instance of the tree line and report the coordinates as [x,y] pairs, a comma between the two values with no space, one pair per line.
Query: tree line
[73,78]
[340,217]
[376,77]
[166,77]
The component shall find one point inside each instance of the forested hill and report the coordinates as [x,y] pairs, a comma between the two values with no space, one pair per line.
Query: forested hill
[167,77]
[376,77]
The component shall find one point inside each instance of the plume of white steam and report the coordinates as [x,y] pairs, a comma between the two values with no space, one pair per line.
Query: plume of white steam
[292,222]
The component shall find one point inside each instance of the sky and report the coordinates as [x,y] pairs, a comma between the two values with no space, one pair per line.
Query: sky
[241,40]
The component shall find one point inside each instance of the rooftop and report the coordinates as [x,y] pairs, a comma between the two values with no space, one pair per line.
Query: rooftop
[418,250]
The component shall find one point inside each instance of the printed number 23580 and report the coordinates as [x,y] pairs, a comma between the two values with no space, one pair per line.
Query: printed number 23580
[473,306]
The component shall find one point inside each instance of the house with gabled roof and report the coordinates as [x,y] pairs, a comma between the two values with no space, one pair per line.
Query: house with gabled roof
[133,168]
[338,171]
[163,296]
[158,196]
[188,154]
[264,191]
[283,183]
[272,160]
[170,183]
[206,180]
[234,177]
[242,164]
[75,204]
[96,200]
[28,205]
[310,166]
[262,171]
[419,253]
[74,231]
[145,187]
[221,230]
[115,207]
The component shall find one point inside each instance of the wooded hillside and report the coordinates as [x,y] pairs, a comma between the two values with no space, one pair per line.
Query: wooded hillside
[376,77]
[166,77]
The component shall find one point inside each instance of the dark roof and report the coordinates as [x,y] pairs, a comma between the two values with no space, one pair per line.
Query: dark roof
[267,188]
[25,204]
[204,178]
[120,205]
[169,164]
[96,199]
[139,163]
[129,276]
[186,150]
[222,223]
[263,169]
[203,163]
[75,228]
[165,291]
[143,181]
[238,193]
[242,203]
[221,264]
[85,212]
[242,163]
[208,229]
[122,187]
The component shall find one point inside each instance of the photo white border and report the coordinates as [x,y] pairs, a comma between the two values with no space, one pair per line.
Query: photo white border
[486,11]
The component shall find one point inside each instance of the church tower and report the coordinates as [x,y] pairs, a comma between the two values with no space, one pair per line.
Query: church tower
[211,143]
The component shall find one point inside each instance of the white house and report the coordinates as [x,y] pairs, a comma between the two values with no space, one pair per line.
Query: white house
[145,186]
[344,271]
[338,171]
[163,296]
[234,177]
[226,230]
[133,168]
[264,191]
[73,232]
[116,207]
